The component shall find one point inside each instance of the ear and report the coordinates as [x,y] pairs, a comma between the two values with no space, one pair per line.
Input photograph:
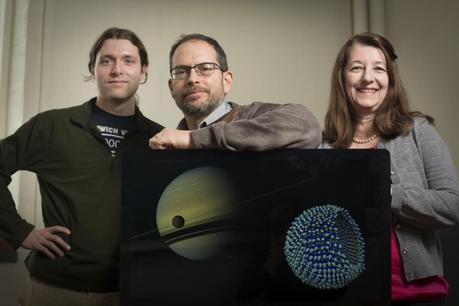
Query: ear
[227,81]
[144,71]
[92,75]
[170,85]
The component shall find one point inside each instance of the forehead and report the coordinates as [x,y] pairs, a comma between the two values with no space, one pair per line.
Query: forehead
[118,47]
[367,54]
[194,52]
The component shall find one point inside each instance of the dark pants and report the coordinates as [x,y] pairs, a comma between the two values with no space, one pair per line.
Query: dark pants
[37,293]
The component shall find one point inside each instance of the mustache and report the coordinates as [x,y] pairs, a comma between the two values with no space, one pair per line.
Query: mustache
[194,89]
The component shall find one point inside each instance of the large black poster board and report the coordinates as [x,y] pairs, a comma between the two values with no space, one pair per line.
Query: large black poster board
[210,227]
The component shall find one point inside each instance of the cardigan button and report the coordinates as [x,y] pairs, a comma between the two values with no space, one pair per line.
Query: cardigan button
[404,252]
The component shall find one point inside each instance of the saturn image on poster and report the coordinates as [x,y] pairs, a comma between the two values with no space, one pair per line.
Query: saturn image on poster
[194,213]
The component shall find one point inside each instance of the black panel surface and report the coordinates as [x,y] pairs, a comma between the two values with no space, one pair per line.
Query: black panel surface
[270,189]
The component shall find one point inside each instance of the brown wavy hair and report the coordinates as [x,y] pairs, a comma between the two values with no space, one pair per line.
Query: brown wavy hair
[392,118]
[116,33]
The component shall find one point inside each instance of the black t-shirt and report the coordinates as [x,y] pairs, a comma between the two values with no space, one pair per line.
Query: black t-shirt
[111,127]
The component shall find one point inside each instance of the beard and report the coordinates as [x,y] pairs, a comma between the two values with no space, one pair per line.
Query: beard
[194,109]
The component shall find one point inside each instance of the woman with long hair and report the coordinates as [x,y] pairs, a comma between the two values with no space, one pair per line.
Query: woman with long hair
[368,109]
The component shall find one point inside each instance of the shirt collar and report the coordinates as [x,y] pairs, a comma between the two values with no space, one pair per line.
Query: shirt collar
[82,116]
[219,112]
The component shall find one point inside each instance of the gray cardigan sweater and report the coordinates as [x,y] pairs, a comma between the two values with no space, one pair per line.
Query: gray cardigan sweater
[425,197]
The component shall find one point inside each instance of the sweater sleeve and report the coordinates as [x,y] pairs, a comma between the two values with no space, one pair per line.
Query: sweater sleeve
[437,205]
[22,150]
[260,127]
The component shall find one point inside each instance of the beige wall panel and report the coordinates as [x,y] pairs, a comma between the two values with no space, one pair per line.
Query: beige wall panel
[6,12]
[425,35]
[279,51]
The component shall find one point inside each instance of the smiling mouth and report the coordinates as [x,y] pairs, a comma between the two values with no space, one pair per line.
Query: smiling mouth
[117,82]
[367,90]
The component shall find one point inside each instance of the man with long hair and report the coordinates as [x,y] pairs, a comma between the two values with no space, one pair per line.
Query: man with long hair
[76,154]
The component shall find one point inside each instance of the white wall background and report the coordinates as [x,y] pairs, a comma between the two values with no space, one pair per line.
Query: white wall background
[279,51]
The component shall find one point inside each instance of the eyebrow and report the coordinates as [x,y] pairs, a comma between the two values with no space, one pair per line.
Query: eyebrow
[360,62]
[113,57]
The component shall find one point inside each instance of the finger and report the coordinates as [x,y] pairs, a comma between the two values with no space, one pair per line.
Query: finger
[49,234]
[154,142]
[45,251]
[58,229]
[160,147]
[160,143]
[53,248]
[60,242]
[153,145]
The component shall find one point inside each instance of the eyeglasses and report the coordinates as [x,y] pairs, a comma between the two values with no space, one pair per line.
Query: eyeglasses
[202,69]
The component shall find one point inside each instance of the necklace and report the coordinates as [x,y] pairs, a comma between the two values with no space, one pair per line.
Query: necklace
[365,140]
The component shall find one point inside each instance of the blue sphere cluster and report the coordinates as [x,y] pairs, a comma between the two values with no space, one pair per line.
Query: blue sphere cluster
[325,248]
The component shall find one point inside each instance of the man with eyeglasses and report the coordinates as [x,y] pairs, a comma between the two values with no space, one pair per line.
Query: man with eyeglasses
[200,80]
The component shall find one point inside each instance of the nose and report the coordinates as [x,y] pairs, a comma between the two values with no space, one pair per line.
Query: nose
[116,68]
[193,77]
[368,75]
